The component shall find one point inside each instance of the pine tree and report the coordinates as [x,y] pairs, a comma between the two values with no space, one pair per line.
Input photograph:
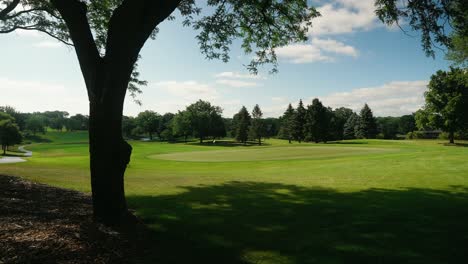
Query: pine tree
[287,122]
[257,129]
[367,127]
[317,122]
[350,127]
[299,122]
[242,119]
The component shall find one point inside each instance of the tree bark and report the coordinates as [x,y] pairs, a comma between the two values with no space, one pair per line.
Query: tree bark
[452,137]
[109,152]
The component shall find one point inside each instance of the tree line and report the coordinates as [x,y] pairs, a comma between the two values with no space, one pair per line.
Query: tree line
[445,110]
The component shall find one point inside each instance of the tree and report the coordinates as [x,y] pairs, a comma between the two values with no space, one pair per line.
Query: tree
[9,134]
[272,126]
[367,127]
[435,19]
[36,124]
[388,126]
[182,125]
[340,116]
[287,124]
[447,100]
[129,124]
[242,121]
[317,122]
[55,119]
[77,122]
[205,119]
[148,121]
[298,122]
[257,128]
[20,118]
[406,124]
[458,52]
[165,126]
[351,126]
[108,36]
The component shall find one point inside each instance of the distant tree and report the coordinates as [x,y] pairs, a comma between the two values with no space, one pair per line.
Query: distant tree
[317,122]
[20,118]
[299,122]
[388,126]
[217,126]
[165,124]
[272,126]
[148,121]
[340,116]
[367,127]
[406,124]
[77,122]
[182,125]
[350,127]
[287,124]
[421,118]
[257,128]
[55,119]
[129,124]
[201,115]
[447,101]
[9,134]
[36,124]
[242,120]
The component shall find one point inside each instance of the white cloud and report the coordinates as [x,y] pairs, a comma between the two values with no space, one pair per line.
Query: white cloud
[333,46]
[318,50]
[302,53]
[344,16]
[391,99]
[31,96]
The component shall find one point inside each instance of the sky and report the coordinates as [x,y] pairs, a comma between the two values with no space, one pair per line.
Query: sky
[351,58]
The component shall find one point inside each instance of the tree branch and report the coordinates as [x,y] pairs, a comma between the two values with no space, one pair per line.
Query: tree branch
[73,13]
[9,8]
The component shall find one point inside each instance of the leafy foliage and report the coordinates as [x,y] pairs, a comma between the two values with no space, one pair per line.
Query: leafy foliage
[446,101]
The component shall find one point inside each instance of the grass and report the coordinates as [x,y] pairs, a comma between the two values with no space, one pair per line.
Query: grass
[346,202]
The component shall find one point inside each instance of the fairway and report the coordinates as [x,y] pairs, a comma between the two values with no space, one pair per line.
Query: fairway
[271,153]
[359,201]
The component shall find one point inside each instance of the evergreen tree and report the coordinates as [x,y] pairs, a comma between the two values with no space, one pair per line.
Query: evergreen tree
[367,127]
[350,126]
[242,120]
[340,116]
[257,129]
[287,124]
[299,122]
[317,122]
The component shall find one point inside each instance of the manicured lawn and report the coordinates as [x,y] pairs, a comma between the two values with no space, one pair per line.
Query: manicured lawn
[350,202]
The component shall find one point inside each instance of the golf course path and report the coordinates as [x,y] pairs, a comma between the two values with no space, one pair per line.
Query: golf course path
[9,160]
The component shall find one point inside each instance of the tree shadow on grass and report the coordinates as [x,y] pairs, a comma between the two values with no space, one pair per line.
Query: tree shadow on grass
[455,144]
[252,222]
[36,139]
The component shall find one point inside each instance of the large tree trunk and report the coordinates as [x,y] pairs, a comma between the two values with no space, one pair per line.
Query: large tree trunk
[109,153]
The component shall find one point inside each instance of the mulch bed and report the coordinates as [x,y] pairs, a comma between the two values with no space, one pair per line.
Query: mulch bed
[43,224]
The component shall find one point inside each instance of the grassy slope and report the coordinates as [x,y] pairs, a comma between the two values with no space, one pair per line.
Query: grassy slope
[399,201]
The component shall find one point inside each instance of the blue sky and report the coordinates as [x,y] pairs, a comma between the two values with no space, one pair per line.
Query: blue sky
[351,58]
